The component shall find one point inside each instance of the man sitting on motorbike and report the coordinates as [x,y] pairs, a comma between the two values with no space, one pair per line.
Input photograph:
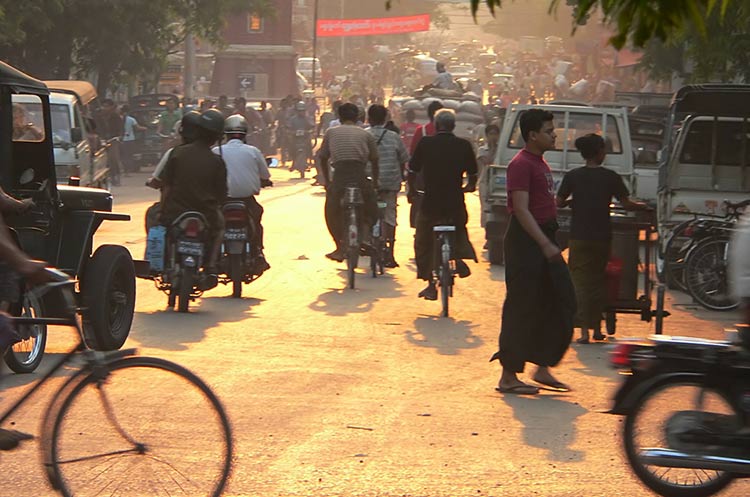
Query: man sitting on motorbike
[195,179]
[348,147]
[299,122]
[247,173]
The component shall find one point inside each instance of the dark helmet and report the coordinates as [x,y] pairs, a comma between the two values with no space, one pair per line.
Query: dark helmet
[212,120]
[189,125]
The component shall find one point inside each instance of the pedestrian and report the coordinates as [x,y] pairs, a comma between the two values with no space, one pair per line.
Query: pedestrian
[486,156]
[109,126]
[130,126]
[392,164]
[537,322]
[592,188]
[443,159]
[409,128]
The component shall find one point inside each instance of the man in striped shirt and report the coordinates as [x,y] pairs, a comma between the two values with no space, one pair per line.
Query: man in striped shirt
[348,148]
[392,161]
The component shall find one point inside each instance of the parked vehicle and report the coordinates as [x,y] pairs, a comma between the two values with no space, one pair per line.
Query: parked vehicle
[60,229]
[571,122]
[78,150]
[706,157]
[305,67]
[150,145]
[685,402]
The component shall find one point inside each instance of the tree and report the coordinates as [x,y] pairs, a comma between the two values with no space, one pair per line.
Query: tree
[638,21]
[112,38]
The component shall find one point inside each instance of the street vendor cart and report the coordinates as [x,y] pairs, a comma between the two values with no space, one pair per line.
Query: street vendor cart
[630,272]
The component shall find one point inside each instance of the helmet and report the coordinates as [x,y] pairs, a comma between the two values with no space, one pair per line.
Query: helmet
[189,125]
[235,124]
[212,121]
[300,106]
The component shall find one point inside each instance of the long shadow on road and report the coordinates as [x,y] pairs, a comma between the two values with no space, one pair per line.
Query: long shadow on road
[549,423]
[361,299]
[170,330]
[446,335]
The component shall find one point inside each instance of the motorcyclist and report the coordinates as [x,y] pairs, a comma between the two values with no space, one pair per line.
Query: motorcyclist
[195,179]
[247,173]
[300,122]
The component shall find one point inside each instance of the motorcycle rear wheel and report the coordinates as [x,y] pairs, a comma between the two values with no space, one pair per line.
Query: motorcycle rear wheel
[187,279]
[646,426]
[236,273]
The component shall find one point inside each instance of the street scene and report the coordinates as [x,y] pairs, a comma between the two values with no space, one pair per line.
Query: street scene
[328,248]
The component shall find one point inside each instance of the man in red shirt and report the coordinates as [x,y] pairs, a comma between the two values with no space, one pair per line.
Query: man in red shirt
[536,324]
[414,195]
[409,129]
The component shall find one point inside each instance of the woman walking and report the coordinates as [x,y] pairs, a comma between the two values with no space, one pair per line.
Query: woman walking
[592,188]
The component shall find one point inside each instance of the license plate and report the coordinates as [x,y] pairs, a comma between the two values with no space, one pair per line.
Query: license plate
[189,248]
[299,132]
[500,181]
[235,234]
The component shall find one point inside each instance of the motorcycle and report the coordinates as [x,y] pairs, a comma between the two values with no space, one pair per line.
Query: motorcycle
[300,151]
[181,275]
[686,403]
[239,262]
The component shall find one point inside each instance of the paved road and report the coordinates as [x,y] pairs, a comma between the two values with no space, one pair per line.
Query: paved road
[366,392]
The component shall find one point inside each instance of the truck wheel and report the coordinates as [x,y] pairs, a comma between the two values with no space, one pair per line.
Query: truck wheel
[108,289]
[495,251]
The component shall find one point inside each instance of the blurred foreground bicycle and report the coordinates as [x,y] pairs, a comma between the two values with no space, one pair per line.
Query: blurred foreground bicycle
[123,424]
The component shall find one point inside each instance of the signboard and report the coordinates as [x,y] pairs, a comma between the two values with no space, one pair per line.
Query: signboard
[375,26]
[252,85]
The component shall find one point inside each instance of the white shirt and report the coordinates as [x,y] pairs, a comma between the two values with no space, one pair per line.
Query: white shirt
[129,125]
[246,166]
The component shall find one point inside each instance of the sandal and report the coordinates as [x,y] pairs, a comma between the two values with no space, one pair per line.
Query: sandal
[583,340]
[522,389]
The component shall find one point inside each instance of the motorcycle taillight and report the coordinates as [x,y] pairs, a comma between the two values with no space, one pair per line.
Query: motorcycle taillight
[192,228]
[620,358]
[235,215]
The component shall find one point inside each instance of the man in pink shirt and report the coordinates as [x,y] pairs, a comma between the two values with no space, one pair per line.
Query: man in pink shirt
[537,320]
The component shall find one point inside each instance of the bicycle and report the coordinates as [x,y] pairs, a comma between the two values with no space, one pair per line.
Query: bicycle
[444,269]
[352,201]
[706,271]
[143,444]
[379,243]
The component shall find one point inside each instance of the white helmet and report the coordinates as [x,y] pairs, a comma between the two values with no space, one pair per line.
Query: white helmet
[235,125]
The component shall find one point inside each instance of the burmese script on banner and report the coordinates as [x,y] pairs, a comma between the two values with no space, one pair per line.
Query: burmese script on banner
[375,26]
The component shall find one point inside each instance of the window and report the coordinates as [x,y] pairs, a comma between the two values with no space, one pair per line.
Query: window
[60,124]
[28,119]
[579,124]
[254,23]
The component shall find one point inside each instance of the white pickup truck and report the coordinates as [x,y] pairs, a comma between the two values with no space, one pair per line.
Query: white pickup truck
[571,122]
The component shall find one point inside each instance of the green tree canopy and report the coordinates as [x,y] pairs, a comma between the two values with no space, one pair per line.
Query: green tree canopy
[639,21]
[113,38]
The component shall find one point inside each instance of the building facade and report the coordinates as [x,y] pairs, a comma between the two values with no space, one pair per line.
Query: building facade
[258,62]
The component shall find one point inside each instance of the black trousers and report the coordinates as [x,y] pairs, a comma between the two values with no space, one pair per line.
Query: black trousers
[539,304]
[334,211]
[256,214]
[424,240]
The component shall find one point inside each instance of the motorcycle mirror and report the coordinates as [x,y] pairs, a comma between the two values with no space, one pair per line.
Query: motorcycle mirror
[26,177]
[272,161]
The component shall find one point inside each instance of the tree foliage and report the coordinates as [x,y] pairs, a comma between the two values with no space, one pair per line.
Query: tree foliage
[638,21]
[114,39]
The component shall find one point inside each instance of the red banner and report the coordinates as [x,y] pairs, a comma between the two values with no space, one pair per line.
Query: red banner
[376,26]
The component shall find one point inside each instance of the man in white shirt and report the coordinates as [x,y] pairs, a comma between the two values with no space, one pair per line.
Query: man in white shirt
[247,173]
[444,79]
[130,126]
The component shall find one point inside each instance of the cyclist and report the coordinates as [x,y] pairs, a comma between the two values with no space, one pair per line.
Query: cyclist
[247,173]
[195,179]
[443,159]
[11,255]
[348,147]
[392,159]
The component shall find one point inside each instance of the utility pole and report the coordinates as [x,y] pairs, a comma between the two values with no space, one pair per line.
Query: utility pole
[189,75]
[315,43]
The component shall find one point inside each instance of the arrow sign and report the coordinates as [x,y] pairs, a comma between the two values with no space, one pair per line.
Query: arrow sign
[247,82]
[244,83]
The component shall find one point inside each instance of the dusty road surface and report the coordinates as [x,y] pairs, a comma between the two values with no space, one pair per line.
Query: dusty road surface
[366,392]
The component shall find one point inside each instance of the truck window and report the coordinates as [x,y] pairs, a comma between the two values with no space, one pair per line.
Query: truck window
[60,115]
[699,168]
[28,120]
[579,124]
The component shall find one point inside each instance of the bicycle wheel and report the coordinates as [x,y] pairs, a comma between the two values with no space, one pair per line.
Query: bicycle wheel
[141,426]
[26,355]
[674,258]
[446,278]
[706,275]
